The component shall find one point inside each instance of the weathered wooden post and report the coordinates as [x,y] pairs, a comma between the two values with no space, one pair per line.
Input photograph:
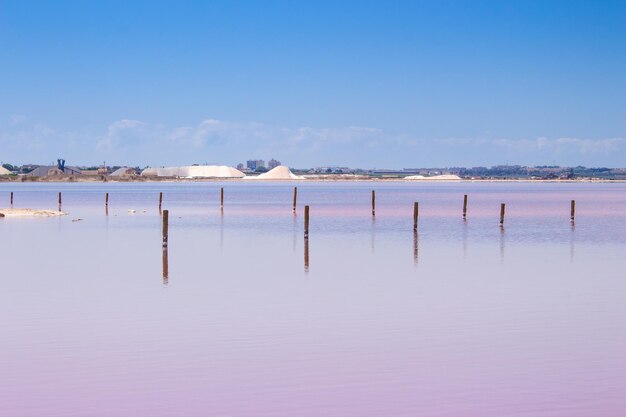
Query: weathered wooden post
[166,215]
[222,197]
[415,214]
[306,221]
[160,201]
[373,202]
[11,199]
[59,200]
[465,206]
[572,211]
[106,199]
[295,198]
[502,206]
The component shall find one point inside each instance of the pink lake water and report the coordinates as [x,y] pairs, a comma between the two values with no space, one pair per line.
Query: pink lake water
[462,319]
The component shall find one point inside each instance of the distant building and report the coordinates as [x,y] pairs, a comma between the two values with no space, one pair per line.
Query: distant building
[240,167]
[255,164]
[48,171]
[273,163]
[25,169]
[92,172]
[332,170]
[59,169]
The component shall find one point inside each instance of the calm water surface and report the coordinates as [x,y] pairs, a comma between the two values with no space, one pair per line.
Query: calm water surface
[461,319]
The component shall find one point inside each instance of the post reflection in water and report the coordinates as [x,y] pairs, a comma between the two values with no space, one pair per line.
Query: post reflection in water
[502,243]
[373,233]
[464,238]
[306,254]
[166,273]
[572,242]
[222,228]
[295,230]
[415,246]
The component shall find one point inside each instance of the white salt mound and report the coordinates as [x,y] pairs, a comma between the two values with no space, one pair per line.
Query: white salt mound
[281,172]
[123,172]
[445,177]
[149,172]
[30,213]
[4,171]
[195,171]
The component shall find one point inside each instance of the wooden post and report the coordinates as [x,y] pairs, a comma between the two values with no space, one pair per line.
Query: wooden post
[373,203]
[59,200]
[572,211]
[502,206]
[166,215]
[106,199]
[222,197]
[306,221]
[464,206]
[415,214]
[160,201]
[295,198]
[11,199]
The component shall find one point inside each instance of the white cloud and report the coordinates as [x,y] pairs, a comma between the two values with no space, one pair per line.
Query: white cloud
[123,133]
[462,141]
[562,145]
[226,142]
[541,144]
[24,137]
[17,119]
[130,141]
[215,133]
[586,146]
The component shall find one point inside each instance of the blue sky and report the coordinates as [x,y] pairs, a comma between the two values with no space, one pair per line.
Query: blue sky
[352,83]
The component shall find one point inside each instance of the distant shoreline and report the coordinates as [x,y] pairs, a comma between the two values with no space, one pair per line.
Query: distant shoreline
[326,178]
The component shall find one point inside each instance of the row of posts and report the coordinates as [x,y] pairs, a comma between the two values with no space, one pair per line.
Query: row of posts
[165,228]
[306,209]
[165,213]
[165,218]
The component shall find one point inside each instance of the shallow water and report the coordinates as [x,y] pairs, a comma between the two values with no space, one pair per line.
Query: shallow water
[462,319]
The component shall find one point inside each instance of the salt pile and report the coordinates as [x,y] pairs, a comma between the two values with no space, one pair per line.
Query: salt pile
[149,172]
[4,171]
[445,177]
[281,172]
[124,172]
[195,171]
[30,213]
